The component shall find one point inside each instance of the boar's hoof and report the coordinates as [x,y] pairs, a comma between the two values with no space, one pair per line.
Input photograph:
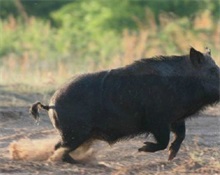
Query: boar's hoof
[141,149]
[172,154]
[173,150]
[153,147]
[148,147]
[69,159]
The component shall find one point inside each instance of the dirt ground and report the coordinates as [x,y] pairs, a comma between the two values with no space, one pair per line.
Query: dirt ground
[199,153]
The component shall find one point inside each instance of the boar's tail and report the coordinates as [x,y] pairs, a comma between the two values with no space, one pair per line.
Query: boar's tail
[34,109]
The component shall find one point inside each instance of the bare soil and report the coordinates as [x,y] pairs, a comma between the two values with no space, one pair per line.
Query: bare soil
[199,153]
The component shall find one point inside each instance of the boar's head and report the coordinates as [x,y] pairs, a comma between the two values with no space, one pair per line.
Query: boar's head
[205,69]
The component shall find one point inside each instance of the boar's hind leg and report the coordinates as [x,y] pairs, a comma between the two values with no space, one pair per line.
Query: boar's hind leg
[71,144]
[162,136]
[179,130]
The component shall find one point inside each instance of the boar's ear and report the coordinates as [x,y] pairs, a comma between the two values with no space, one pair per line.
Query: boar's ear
[196,57]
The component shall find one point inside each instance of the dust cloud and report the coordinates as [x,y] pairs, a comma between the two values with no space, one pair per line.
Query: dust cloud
[43,150]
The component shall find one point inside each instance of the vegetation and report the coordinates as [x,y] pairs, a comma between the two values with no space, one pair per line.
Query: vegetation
[47,42]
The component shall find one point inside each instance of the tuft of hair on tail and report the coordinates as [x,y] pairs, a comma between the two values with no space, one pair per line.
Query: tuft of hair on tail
[34,109]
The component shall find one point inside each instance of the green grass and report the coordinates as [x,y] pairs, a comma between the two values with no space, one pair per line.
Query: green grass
[39,55]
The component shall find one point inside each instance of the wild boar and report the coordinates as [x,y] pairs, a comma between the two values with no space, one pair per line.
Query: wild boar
[153,95]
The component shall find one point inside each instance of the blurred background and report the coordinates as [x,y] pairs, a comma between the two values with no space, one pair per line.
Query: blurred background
[47,42]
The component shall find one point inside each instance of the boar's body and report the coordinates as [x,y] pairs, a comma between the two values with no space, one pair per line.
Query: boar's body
[148,96]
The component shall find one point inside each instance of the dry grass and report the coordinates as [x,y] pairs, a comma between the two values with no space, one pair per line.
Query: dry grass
[174,36]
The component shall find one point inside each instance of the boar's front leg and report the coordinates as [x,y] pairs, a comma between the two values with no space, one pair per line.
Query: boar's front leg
[162,136]
[179,130]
